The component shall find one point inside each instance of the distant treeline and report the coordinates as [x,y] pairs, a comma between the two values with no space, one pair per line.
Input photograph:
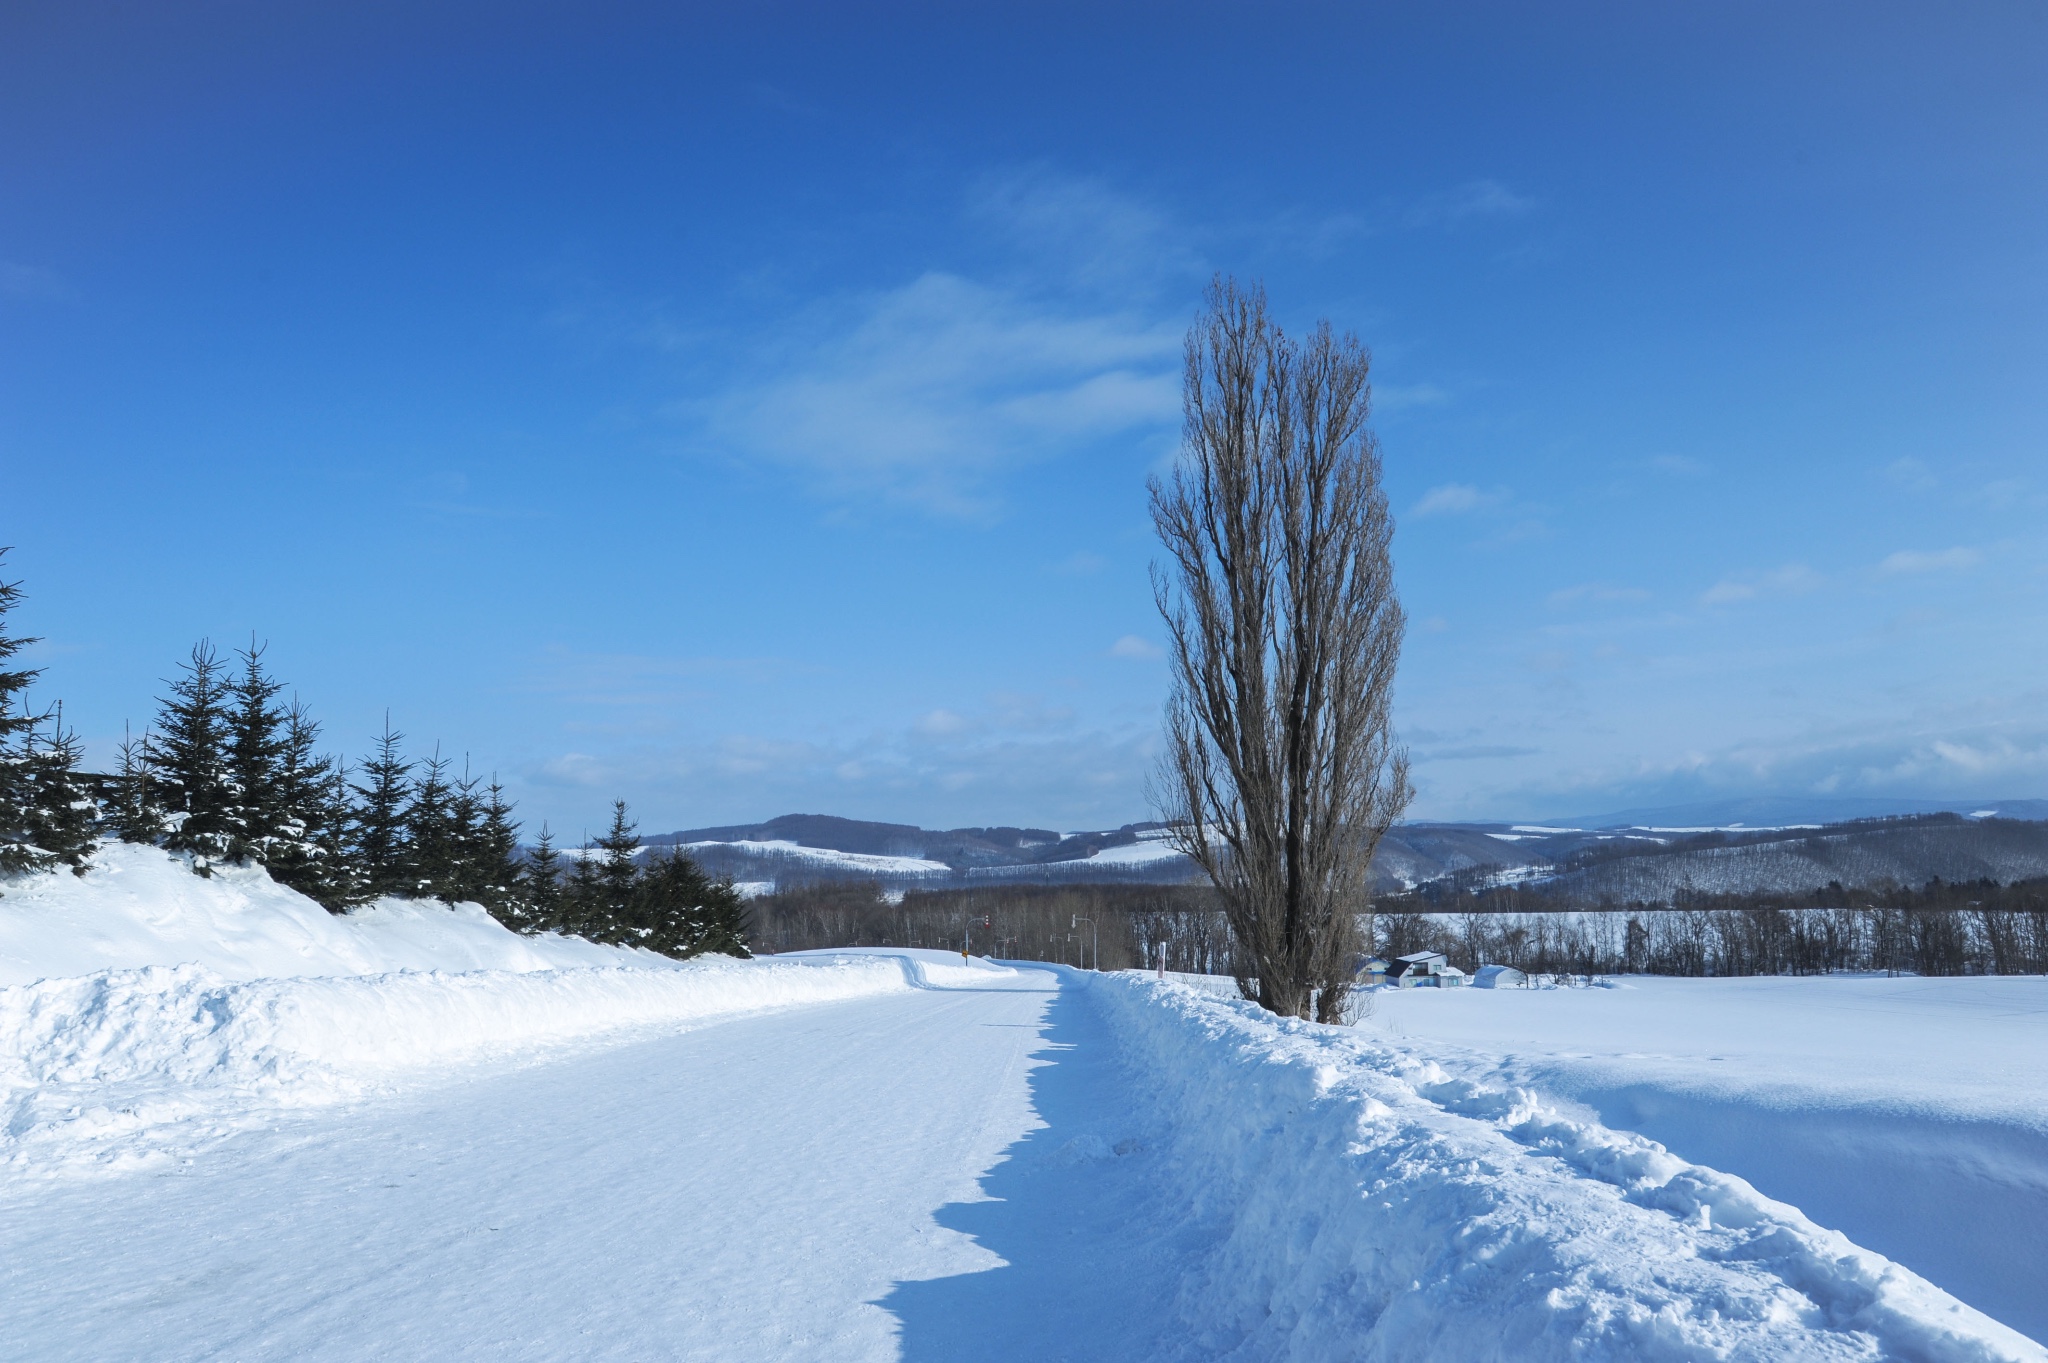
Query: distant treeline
[1938,929]
[1941,928]
[227,775]
[1018,922]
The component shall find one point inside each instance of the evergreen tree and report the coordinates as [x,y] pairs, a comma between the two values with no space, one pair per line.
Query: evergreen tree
[261,819]
[191,763]
[64,816]
[542,886]
[611,910]
[727,921]
[583,906]
[312,853]
[469,877]
[19,850]
[380,821]
[501,887]
[679,911]
[432,841]
[132,813]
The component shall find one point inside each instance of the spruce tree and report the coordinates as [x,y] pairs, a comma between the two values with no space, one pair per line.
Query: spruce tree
[501,887]
[312,853]
[727,921]
[616,871]
[64,816]
[583,907]
[19,850]
[261,817]
[379,841]
[431,839]
[680,911]
[469,876]
[541,885]
[191,764]
[132,813]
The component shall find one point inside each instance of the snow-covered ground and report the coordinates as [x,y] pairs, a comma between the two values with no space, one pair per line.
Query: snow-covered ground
[873,1154]
[1911,1114]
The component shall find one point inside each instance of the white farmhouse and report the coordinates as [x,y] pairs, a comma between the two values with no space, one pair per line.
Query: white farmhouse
[1420,970]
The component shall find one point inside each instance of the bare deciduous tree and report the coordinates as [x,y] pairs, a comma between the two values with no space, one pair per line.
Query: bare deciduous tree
[1281,771]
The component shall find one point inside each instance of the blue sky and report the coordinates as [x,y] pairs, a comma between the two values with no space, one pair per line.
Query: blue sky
[745,410]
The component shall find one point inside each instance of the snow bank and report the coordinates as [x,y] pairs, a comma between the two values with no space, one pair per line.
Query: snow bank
[1363,1203]
[124,1066]
[139,907]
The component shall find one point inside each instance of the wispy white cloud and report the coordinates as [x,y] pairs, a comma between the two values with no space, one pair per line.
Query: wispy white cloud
[1794,579]
[1452,499]
[926,394]
[1597,591]
[31,281]
[1908,561]
[1082,230]
[1400,397]
[1483,198]
[1080,563]
[1909,473]
[1131,646]
[1010,759]
[1991,747]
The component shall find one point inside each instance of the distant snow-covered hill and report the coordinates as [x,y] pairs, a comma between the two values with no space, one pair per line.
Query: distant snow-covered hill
[1576,863]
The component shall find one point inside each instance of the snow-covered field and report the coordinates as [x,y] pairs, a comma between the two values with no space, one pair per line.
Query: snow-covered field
[222,1143]
[1909,1113]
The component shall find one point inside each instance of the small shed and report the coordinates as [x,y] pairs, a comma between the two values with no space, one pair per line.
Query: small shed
[1499,977]
[1450,977]
[1419,970]
[1369,970]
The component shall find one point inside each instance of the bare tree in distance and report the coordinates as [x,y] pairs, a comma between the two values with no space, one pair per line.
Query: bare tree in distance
[1281,772]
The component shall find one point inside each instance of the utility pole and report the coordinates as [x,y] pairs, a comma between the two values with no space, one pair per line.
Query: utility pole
[1078,921]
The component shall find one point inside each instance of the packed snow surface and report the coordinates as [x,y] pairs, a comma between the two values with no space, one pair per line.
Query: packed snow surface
[871,1154]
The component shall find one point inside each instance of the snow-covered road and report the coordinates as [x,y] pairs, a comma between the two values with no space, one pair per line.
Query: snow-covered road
[763,1187]
[934,1163]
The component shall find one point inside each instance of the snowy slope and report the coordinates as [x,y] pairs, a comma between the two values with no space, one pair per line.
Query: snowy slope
[862,863]
[141,907]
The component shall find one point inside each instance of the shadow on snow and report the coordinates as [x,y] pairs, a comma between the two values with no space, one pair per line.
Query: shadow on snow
[1075,1211]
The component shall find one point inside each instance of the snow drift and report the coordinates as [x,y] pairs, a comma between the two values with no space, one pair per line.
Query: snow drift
[139,906]
[1363,1203]
[115,1068]
[144,1009]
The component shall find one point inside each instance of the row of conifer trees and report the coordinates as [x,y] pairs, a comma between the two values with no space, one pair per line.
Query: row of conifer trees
[229,774]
